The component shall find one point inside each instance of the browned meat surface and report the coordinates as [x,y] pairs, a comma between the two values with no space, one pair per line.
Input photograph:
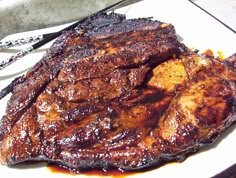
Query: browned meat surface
[118,94]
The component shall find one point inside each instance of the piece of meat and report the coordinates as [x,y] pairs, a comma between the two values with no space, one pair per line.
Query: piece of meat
[118,93]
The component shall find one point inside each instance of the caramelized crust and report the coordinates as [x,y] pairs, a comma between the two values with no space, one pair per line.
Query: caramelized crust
[126,95]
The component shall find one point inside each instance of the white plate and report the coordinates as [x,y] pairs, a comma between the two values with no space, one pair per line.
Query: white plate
[198,30]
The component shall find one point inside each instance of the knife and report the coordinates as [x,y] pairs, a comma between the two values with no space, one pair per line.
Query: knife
[23,41]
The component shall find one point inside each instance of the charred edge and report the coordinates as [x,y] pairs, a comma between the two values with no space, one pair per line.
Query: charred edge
[53,74]
[8,89]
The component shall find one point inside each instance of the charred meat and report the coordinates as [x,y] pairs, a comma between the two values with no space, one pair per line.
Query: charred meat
[118,93]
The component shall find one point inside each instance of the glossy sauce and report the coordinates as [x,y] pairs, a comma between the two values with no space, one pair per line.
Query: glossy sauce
[90,173]
[57,169]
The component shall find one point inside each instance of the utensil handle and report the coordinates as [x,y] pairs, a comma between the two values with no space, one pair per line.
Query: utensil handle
[19,42]
[15,57]
[50,37]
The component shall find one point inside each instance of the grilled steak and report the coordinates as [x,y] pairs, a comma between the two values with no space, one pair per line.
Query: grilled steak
[117,93]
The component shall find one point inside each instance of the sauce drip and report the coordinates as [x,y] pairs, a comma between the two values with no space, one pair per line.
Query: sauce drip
[90,173]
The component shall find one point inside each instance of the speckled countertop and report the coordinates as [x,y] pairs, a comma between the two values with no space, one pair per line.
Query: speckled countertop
[24,15]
